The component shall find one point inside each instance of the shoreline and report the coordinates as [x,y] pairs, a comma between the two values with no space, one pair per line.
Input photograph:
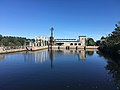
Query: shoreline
[21,50]
[45,47]
[11,51]
[76,47]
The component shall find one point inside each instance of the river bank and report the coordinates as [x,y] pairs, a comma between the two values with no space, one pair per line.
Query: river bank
[11,51]
[110,49]
[75,47]
[2,51]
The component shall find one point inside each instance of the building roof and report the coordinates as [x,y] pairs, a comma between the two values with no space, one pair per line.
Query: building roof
[82,36]
[65,40]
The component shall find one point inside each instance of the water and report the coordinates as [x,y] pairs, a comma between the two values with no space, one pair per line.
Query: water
[57,70]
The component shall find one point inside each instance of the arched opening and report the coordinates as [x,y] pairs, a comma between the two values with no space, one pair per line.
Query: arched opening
[79,44]
[71,44]
[75,44]
[59,44]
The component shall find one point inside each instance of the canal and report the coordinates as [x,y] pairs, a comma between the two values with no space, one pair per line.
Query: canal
[58,70]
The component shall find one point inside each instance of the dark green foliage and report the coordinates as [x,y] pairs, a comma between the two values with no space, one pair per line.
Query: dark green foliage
[0,37]
[110,49]
[13,41]
[102,37]
[90,53]
[90,42]
[114,38]
[111,43]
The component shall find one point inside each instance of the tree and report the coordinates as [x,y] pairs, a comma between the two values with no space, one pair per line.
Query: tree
[102,37]
[90,41]
[111,43]
[0,37]
[13,41]
[5,42]
[114,38]
[0,40]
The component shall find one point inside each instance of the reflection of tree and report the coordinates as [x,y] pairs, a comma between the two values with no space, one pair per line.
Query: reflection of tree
[2,57]
[113,66]
[90,53]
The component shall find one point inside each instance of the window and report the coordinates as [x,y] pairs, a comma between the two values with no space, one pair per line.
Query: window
[79,44]
[71,43]
[75,44]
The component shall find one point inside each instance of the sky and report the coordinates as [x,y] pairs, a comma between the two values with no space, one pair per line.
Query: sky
[70,18]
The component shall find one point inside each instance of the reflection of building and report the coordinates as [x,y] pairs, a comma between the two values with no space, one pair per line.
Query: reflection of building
[37,57]
[41,56]
[82,54]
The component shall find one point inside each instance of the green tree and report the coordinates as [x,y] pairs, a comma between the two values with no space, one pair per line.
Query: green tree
[13,41]
[90,41]
[114,38]
[102,37]
[0,37]
[111,43]
[5,42]
[0,40]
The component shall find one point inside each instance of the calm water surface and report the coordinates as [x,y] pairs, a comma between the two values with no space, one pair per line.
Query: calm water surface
[57,70]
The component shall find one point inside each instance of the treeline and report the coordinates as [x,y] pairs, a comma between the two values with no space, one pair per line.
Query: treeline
[110,50]
[111,43]
[13,41]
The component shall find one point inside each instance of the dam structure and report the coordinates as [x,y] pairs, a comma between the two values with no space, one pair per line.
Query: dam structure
[54,43]
[61,43]
[71,43]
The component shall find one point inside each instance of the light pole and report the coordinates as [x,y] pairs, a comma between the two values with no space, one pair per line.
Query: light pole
[51,37]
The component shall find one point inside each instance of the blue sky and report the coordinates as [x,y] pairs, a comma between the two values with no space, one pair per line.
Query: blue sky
[70,18]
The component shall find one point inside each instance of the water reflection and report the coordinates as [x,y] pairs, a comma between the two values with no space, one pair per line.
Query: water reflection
[90,53]
[66,69]
[42,56]
[2,57]
[37,57]
[51,56]
[112,67]
[82,55]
